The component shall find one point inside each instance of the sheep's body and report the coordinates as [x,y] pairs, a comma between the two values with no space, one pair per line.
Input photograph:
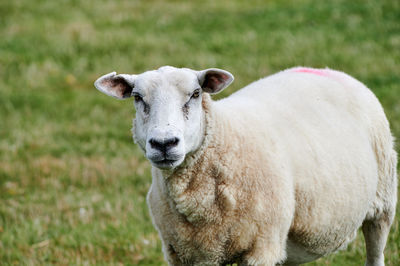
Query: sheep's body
[290,167]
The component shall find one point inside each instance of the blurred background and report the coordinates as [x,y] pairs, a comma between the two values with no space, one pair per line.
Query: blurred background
[72,182]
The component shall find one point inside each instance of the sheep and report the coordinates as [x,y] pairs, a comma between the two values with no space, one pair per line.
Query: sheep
[283,171]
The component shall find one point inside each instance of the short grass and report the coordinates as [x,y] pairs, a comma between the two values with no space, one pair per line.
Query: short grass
[72,183]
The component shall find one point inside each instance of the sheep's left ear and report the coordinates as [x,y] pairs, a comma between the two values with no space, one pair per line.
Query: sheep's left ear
[214,80]
[118,86]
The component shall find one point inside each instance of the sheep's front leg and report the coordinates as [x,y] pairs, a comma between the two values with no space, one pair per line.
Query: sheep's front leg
[171,256]
[268,252]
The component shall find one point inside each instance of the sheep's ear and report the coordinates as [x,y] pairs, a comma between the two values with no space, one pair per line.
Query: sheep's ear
[118,86]
[214,80]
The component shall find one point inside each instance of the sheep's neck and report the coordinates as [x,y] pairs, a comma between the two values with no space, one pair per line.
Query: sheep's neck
[196,190]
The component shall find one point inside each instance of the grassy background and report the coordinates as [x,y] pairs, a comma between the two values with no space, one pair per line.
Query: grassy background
[72,183]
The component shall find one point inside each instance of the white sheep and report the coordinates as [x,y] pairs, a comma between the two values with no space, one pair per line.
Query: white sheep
[283,171]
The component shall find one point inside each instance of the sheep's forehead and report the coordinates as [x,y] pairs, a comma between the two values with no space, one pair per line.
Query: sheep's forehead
[167,81]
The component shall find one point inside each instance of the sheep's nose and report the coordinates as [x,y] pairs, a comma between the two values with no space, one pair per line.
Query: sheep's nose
[163,145]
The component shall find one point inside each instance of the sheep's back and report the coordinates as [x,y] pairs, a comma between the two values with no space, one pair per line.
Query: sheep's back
[324,124]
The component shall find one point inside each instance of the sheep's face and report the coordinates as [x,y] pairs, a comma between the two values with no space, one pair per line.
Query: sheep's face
[169,119]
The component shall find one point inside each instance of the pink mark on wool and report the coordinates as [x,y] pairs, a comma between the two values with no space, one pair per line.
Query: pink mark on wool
[320,72]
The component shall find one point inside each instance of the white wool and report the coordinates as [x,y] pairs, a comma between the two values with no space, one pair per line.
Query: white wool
[288,169]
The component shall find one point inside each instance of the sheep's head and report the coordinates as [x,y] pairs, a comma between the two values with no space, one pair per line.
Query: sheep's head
[169,119]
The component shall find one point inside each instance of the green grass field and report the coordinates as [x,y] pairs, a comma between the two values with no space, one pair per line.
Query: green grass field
[72,183]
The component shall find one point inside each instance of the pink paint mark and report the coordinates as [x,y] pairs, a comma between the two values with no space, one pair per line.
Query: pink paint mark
[320,72]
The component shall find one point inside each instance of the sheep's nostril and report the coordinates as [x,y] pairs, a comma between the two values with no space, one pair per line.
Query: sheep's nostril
[172,142]
[156,144]
[163,145]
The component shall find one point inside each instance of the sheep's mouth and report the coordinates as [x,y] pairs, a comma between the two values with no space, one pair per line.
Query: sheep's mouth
[165,163]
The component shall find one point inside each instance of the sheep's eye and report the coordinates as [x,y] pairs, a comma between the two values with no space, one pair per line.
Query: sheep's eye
[138,98]
[196,93]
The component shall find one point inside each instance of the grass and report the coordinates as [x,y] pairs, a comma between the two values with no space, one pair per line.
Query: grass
[72,183]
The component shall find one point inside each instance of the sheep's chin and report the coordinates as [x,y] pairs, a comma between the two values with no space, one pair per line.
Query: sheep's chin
[167,164]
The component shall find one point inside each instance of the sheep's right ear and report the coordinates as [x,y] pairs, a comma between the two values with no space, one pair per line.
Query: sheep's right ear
[118,86]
